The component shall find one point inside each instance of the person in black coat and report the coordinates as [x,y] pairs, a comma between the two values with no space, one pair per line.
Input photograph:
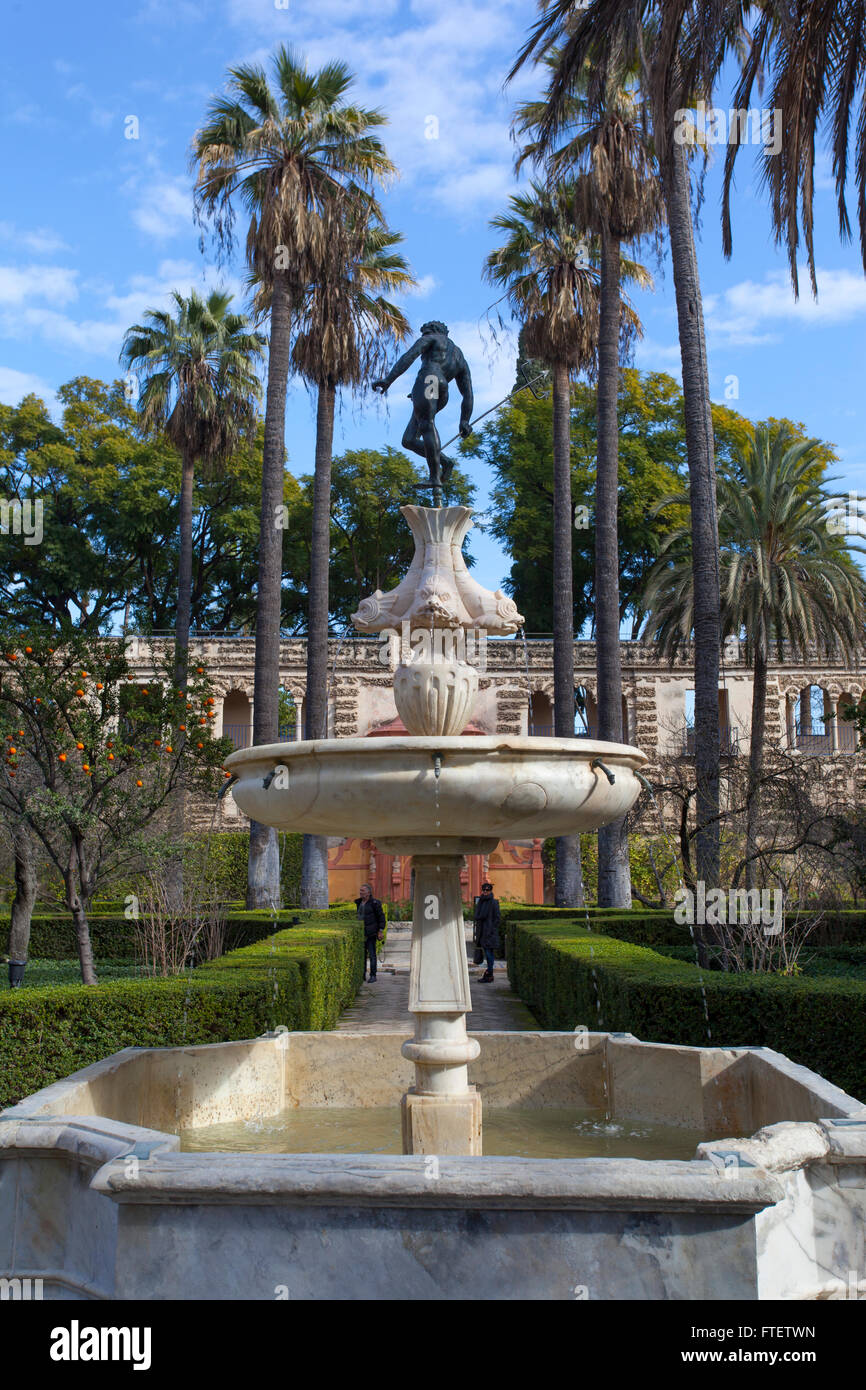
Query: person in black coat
[486,930]
[372,915]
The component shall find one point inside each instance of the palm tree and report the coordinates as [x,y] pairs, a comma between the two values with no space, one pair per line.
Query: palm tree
[552,291]
[199,385]
[345,331]
[815,55]
[619,198]
[680,45]
[786,579]
[299,160]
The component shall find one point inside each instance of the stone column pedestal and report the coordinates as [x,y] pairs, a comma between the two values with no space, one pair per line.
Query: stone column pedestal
[441,1114]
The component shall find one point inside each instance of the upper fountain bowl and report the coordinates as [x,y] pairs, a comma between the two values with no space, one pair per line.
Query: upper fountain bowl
[489,787]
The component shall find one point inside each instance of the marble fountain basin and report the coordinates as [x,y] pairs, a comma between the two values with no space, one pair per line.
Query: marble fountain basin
[488,786]
[99,1199]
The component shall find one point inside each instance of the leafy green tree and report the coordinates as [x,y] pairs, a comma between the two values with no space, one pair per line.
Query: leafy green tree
[302,162]
[90,758]
[680,47]
[517,445]
[618,198]
[787,579]
[347,327]
[552,291]
[197,370]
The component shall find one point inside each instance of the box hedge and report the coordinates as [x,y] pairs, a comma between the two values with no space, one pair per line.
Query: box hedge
[113,936]
[301,978]
[568,976]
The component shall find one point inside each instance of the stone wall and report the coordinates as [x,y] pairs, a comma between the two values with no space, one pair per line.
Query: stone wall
[656,697]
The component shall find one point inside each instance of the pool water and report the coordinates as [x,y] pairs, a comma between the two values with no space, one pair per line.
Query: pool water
[553,1132]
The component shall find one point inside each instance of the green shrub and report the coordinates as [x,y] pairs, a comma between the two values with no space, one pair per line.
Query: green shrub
[113,937]
[568,976]
[302,978]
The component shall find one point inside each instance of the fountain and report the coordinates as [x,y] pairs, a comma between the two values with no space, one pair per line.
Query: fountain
[436,795]
[100,1197]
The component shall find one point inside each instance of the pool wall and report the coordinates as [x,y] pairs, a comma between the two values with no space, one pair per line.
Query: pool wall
[97,1201]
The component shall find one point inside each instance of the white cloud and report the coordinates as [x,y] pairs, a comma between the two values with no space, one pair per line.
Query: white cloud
[753,313]
[491,358]
[424,286]
[101,335]
[41,241]
[652,356]
[14,385]
[19,284]
[448,64]
[164,209]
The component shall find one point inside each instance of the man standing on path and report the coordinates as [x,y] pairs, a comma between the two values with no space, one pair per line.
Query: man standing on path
[372,915]
[486,932]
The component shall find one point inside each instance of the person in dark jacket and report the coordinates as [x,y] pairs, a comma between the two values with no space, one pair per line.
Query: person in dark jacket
[486,931]
[372,915]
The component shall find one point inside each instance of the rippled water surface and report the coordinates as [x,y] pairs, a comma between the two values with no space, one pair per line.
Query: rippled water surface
[556,1132]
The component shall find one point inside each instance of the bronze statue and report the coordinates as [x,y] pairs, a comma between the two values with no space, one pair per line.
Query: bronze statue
[441,362]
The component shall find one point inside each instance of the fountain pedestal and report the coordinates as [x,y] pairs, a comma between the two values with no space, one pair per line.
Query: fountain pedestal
[441,1112]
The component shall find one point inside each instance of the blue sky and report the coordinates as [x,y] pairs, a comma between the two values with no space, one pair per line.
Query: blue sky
[95,227]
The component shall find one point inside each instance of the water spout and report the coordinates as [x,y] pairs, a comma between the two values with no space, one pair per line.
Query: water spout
[597,762]
[225,787]
[437,764]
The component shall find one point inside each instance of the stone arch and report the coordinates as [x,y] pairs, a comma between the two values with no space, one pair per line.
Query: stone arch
[814,718]
[236,710]
[541,714]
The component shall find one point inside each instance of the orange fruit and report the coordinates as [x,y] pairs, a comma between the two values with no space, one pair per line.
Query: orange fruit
[182,728]
[99,685]
[85,767]
[13,750]
[38,700]
[227,774]
[200,670]
[139,784]
[79,746]
[211,714]
[62,758]
[79,692]
[168,748]
[84,675]
[28,650]
[156,743]
[111,757]
[11,656]
[144,690]
[199,745]
[209,700]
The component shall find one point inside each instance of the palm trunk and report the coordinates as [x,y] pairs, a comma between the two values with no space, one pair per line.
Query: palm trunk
[263,874]
[26,884]
[702,496]
[569,876]
[314,867]
[756,762]
[614,877]
[174,866]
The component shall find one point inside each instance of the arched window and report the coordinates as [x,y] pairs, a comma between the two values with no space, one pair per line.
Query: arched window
[814,713]
[238,718]
[541,715]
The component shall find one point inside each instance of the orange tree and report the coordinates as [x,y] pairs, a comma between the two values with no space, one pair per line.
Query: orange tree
[91,754]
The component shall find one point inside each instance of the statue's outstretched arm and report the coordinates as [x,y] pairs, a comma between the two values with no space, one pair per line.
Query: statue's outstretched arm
[400,366]
[464,385]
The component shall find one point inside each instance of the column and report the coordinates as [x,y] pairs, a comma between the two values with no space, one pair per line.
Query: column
[441,1112]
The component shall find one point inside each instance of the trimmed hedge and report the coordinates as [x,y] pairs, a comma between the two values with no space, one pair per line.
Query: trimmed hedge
[656,927]
[568,976]
[302,978]
[113,937]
